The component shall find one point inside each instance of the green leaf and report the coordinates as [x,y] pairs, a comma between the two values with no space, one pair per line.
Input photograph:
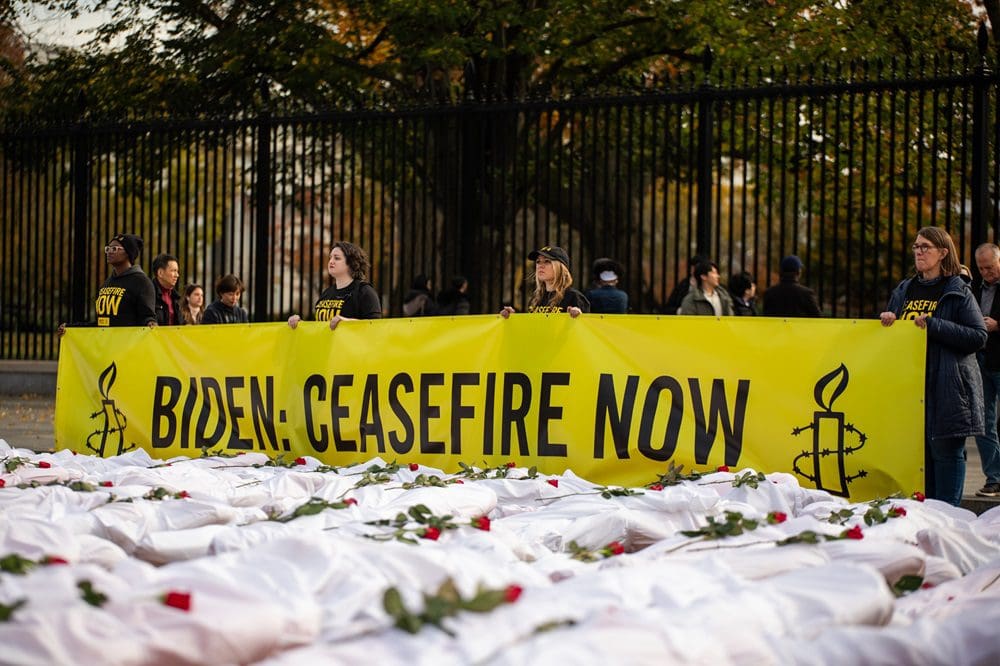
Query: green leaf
[7,611]
[90,595]
[907,584]
[392,602]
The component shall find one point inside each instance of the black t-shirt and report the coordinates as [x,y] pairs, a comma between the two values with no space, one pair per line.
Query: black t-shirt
[922,298]
[357,300]
[571,298]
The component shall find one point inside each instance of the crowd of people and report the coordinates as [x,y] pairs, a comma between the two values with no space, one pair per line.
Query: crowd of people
[960,316]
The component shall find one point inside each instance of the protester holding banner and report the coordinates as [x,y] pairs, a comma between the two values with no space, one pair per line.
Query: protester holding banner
[708,297]
[126,297]
[939,301]
[553,280]
[226,309]
[193,304]
[165,272]
[350,297]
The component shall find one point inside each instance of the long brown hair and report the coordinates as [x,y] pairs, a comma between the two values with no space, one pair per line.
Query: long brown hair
[356,258]
[942,239]
[563,281]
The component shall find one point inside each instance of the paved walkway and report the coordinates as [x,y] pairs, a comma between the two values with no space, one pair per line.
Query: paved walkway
[26,421]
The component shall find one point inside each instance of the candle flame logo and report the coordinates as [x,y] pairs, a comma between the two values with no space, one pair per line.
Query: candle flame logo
[826,381]
[114,422]
[829,451]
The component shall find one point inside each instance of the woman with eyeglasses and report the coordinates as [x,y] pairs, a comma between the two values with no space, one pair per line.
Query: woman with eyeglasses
[937,300]
[126,298]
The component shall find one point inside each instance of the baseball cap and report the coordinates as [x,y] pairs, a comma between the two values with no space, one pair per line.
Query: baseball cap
[552,252]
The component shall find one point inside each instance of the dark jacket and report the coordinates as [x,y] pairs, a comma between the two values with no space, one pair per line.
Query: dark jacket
[419,303]
[162,312]
[607,299]
[220,313]
[991,354]
[741,309]
[695,303]
[125,300]
[453,302]
[788,298]
[953,386]
[681,290]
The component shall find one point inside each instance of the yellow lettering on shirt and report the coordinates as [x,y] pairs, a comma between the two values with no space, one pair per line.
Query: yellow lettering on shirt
[545,309]
[109,299]
[328,309]
[915,308]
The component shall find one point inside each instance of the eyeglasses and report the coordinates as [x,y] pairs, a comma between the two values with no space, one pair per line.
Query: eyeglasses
[920,248]
[108,249]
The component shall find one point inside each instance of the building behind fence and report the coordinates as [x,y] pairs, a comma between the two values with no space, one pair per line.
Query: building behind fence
[838,165]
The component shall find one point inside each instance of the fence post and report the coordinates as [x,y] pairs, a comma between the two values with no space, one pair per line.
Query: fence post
[81,208]
[262,220]
[980,128]
[705,150]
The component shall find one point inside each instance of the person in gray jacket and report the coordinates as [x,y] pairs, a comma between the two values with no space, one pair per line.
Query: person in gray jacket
[708,297]
[940,302]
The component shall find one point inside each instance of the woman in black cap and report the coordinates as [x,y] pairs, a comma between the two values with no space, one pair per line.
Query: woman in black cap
[553,292]
[126,298]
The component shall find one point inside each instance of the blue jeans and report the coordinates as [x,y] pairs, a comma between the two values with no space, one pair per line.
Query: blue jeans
[988,444]
[946,469]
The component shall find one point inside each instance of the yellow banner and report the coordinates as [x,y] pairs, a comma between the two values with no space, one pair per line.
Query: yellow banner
[838,403]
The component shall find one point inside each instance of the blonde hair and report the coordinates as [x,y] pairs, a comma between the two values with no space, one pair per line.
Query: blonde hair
[941,239]
[563,281]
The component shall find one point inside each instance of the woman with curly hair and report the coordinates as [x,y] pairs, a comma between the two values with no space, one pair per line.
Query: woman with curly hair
[350,296]
[553,285]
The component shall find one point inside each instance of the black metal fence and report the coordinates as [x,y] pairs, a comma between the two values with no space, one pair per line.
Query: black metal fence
[840,166]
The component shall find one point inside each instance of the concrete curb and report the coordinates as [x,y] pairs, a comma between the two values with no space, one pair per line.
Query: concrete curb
[19,377]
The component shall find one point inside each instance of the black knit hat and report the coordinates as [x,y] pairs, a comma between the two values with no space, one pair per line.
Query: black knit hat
[131,243]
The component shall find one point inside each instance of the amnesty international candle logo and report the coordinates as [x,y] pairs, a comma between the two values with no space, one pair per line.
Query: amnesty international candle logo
[829,453]
[114,422]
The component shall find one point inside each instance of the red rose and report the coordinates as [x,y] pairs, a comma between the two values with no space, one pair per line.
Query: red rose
[777,517]
[2,483]
[553,482]
[45,464]
[722,468]
[919,496]
[350,501]
[414,467]
[511,465]
[512,593]
[300,461]
[897,511]
[74,453]
[183,494]
[52,559]
[926,586]
[656,486]
[459,481]
[853,533]
[178,600]
[431,533]
[106,484]
[482,522]
[615,548]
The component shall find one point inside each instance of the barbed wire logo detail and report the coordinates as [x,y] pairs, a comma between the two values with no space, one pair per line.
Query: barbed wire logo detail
[829,453]
[114,419]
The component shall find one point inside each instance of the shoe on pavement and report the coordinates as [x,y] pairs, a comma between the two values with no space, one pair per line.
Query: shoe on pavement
[989,490]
